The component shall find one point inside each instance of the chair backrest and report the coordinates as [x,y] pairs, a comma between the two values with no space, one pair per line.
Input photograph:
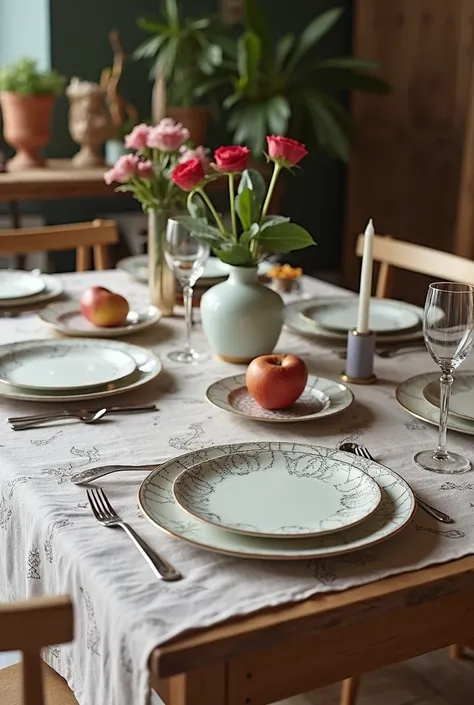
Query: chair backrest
[28,627]
[415,258]
[83,237]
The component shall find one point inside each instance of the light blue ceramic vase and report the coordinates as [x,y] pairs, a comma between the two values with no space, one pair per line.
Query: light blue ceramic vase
[241,318]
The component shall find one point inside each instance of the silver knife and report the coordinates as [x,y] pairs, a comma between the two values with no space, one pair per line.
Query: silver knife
[82,478]
[110,410]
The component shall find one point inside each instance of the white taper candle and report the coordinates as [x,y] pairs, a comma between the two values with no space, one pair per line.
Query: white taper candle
[366,280]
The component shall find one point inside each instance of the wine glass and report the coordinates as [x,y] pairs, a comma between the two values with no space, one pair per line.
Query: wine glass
[186,258]
[448,329]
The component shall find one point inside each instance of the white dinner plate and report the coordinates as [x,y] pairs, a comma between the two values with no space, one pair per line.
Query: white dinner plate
[277,493]
[15,284]
[52,288]
[411,397]
[462,396]
[296,320]
[66,318]
[321,398]
[148,366]
[158,504]
[386,316]
[62,365]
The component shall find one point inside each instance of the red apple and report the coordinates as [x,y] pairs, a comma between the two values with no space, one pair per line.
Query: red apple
[103,307]
[276,381]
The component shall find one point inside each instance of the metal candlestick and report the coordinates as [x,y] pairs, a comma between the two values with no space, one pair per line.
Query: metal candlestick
[360,358]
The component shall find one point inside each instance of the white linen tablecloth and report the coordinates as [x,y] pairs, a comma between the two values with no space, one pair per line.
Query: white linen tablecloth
[51,543]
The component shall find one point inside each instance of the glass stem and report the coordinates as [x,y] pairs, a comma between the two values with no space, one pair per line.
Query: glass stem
[188,313]
[445,385]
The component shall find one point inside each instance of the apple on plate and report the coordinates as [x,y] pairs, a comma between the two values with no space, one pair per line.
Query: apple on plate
[276,381]
[103,307]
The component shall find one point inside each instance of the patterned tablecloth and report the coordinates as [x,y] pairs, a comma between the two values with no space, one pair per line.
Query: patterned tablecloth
[50,542]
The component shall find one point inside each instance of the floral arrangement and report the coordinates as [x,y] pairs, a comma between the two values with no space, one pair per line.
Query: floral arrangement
[259,233]
[146,173]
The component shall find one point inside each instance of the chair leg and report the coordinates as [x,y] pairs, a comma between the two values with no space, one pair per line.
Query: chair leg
[100,257]
[349,689]
[83,259]
[456,651]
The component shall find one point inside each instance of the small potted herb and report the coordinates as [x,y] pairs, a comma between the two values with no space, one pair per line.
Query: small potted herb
[27,96]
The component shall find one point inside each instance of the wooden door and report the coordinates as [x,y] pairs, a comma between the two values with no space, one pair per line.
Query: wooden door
[405,171]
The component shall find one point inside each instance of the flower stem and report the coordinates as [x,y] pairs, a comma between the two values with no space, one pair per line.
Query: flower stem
[266,205]
[209,204]
[232,205]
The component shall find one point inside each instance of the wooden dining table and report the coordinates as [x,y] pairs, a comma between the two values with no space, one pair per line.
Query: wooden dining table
[280,649]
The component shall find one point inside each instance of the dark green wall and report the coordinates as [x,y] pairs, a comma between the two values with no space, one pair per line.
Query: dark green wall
[79,47]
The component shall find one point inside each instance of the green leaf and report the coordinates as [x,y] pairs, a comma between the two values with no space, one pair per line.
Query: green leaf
[201,229]
[351,80]
[249,235]
[350,62]
[256,21]
[243,206]
[196,206]
[253,180]
[278,114]
[248,59]
[235,255]
[270,220]
[250,197]
[330,133]
[172,12]
[149,25]
[313,33]
[284,237]
[282,51]
[150,47]
[231,100]
[167,57]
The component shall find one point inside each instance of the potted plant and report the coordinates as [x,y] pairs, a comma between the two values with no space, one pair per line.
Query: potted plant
[240,317]
[283,88]
[27,96]
[188,61]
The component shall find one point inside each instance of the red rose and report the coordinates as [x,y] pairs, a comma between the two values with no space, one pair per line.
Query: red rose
[285,150]
[231,159]
[189,174]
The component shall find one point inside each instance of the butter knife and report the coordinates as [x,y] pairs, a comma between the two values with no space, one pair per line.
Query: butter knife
[85,476]
[110,410]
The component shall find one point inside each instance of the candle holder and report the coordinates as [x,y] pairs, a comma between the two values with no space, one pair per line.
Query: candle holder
[360,358]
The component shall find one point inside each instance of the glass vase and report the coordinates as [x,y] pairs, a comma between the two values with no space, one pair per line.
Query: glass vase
[161,280]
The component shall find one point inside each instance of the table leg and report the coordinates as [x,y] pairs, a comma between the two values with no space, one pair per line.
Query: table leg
[349,689]
[20,260]
[207,686]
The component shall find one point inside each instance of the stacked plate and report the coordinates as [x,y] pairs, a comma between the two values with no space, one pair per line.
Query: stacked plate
[331,318]
[19,288]
[67,319]
[420,396]
[276,500]
[70,370]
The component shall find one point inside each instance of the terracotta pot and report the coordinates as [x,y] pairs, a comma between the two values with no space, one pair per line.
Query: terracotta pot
[195,119]
[27,127]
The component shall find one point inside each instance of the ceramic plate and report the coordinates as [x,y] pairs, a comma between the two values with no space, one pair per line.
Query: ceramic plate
[148,366]
[410,396]
[160,507]
[52,288]
[462,396]
[62,365]
[386,316]
[67,319]
[278,494]
[298,322]
[321,398]
[18,285]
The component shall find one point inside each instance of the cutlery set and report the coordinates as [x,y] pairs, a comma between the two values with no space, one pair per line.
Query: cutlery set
[18,423]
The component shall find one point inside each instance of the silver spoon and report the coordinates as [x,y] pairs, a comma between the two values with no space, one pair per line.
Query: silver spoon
[89,417]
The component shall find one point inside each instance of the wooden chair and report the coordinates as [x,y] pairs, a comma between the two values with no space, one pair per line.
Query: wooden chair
[414,258]
[83,237]
[423,260]
[28,627]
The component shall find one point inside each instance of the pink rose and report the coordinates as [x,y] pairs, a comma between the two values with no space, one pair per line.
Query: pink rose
[168,136]
[124,169]
[185,154]
[138,137]
[145,169]
[285,150]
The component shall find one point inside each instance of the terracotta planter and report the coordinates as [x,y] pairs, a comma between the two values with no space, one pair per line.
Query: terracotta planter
[27,127]
[196,119]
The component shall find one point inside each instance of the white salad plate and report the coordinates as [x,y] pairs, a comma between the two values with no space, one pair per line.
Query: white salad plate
[410,395]
[386,316]
[62,365]
[296,320]
[51,287]
[320,399]
[158,504]
[66,318]
[15,284]
[462,396]
[277,493]
[147,367]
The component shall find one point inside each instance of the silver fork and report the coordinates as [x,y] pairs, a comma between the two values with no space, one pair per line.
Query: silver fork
[107,516]
[364,452]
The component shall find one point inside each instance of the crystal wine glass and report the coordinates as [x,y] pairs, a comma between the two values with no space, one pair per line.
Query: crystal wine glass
[186,258]
[448,329]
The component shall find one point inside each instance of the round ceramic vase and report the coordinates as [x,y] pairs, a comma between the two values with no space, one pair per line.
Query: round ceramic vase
[241,318]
